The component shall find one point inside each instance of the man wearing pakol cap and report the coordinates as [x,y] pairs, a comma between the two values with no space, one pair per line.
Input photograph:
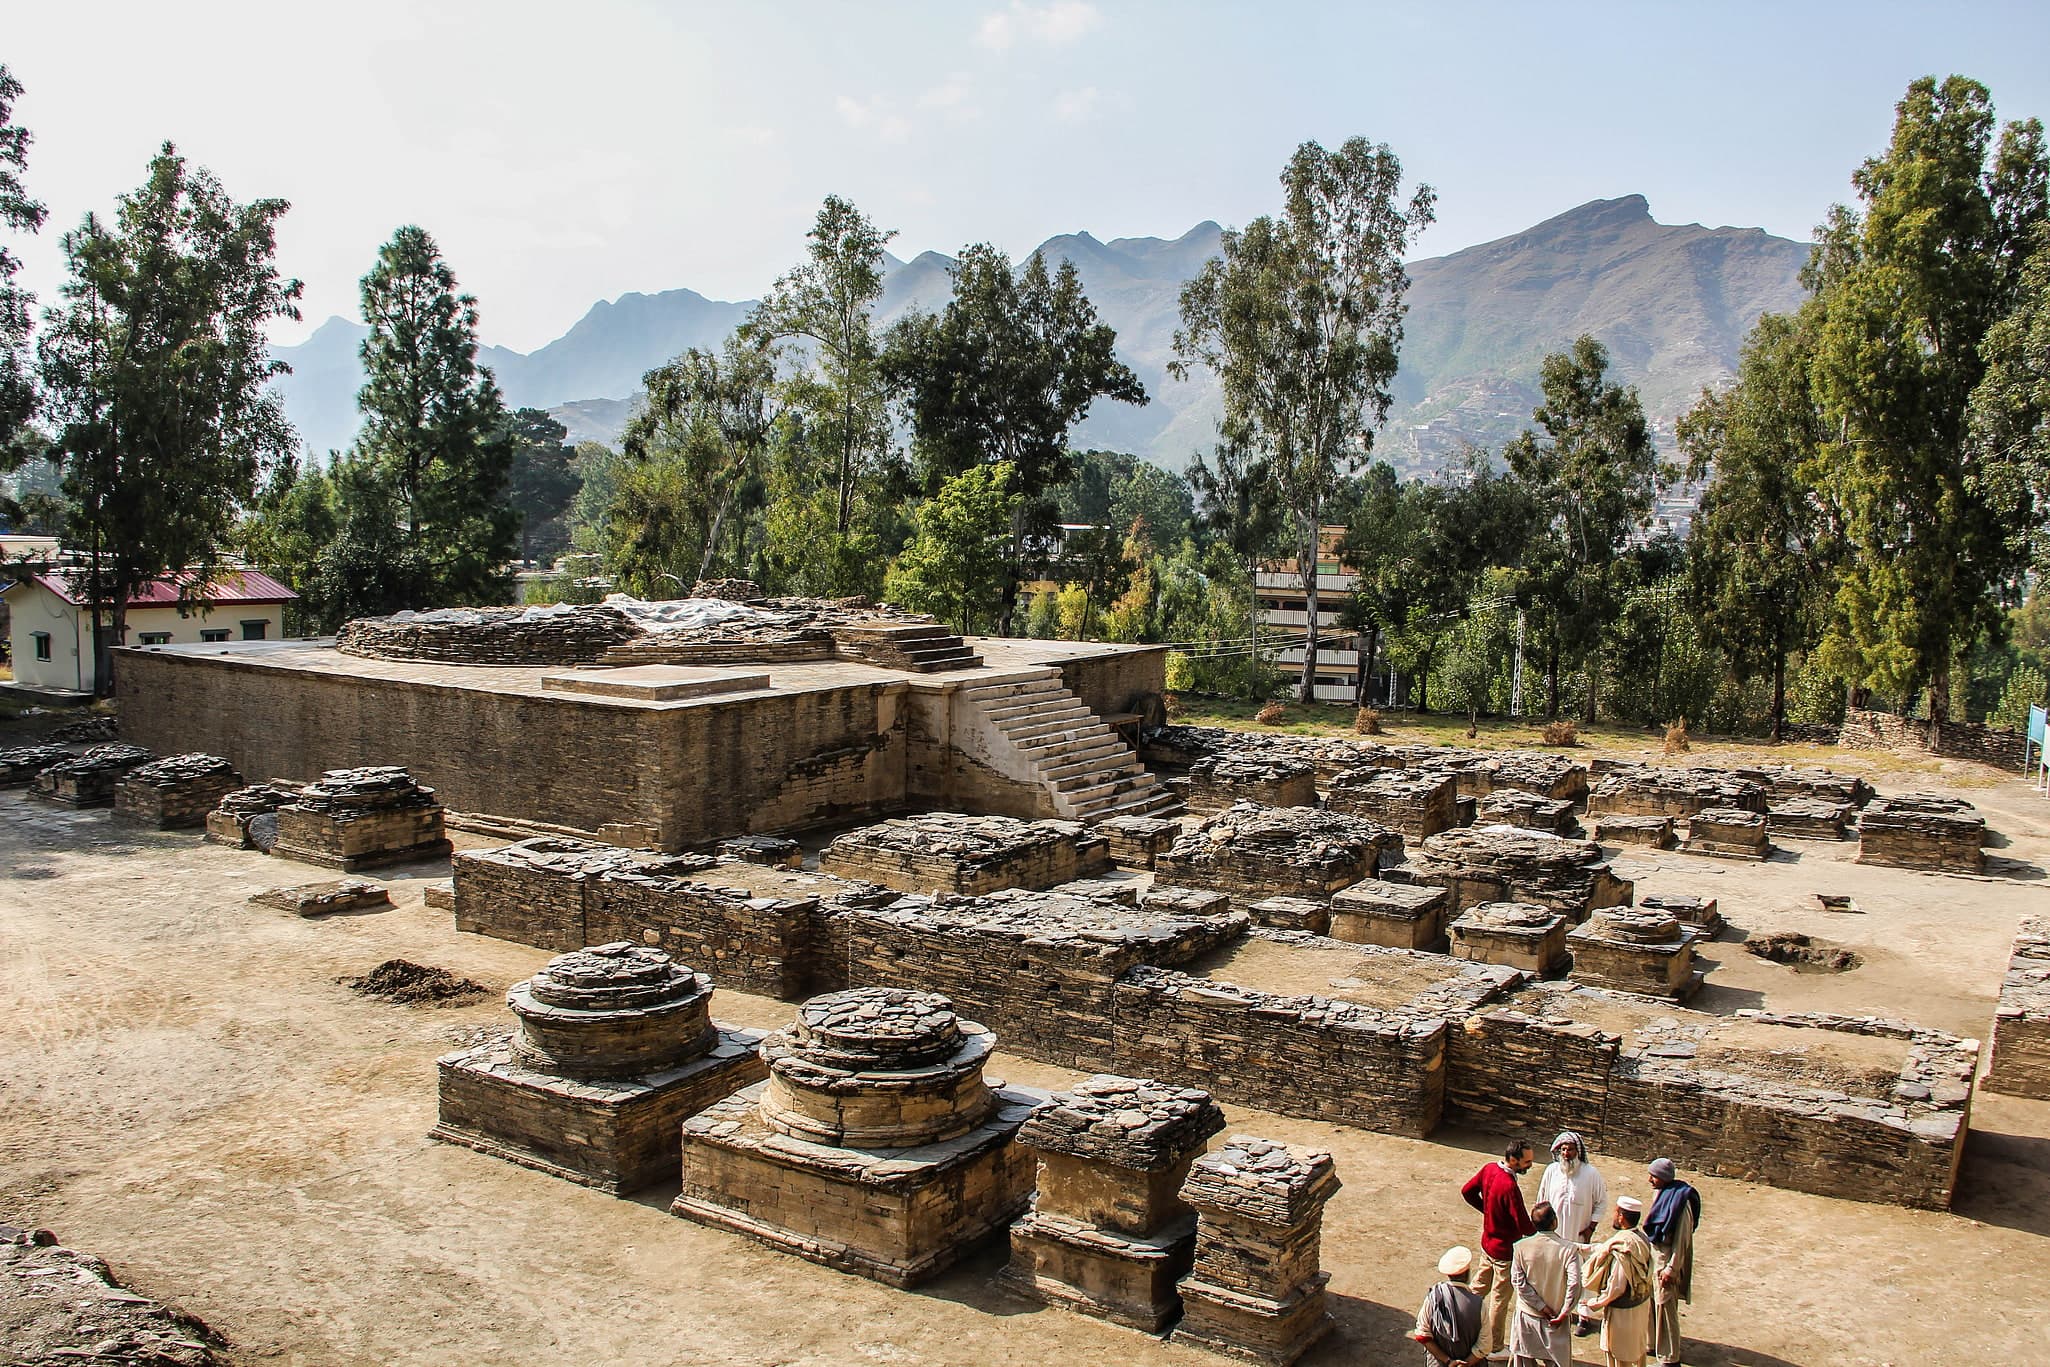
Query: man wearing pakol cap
[1449,1324]
[1573,1188]
[1546,1274]
[1619,1278]
[1669,1228]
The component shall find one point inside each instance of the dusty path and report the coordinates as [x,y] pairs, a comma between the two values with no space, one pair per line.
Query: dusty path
[187,1091]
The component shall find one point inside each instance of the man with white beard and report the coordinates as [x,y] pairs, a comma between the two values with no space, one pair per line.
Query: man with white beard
[1574,1190]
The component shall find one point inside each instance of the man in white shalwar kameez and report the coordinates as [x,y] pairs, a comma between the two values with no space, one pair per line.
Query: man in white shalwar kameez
[1545,1273]
[1575,1190]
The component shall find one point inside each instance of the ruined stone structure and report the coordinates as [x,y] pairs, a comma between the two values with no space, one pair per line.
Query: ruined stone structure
[1257,1288]
[1217,781]
[674,756]
[558,634]
[1922,831]
[1515,807]
[1728,833]
[322,899]
[1401,915]
[1108,1233]
[1653,790]
[1687,909]
[22,763]
[1513,934]
[1994,745]
[770,851]
[2020,1062]
[875,1146]
[616,1047]
[1636,949]
[1809,818]
[1418,804]
[1136,841]
[1615,829]
[1253,853]
[1509,864]
[950,852]
[362,819]
[89,779]
[1786,782]
[246,819]
[176,793]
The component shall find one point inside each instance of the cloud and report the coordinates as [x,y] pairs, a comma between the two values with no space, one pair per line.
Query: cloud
[1077,106]
[875,114]
[1056,22]
[950,96]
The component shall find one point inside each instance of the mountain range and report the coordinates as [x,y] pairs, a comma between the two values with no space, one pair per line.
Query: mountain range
[1672,303]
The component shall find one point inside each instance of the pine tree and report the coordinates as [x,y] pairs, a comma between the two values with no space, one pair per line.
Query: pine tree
[23,215]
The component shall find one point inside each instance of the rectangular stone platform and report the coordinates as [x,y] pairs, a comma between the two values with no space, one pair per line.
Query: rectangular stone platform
[618,1135]
[971,855]
[1519,935]
[355,819]
[1215,783]
[174,794]
[322,899]
[1808,818]
[1136,841]
[1416,804]
[1616,829]
[1514,807]
[1922,831]
[2020,1063]
[1398,915]
[1653,790]
[89,780]
[1253,853]
[1728,833]
[897,1216]
[655,683]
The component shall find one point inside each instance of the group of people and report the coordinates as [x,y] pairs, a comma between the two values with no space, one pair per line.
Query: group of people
[1576,1263]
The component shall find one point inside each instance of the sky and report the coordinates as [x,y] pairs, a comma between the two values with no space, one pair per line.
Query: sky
[563,153]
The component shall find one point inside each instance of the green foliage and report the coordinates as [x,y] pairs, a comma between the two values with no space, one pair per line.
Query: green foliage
[1908,286]
[1301,319]
[954,567]
[1590,477]
[542,484]
[2026,687]
[156,372]
[2009,414]
[294,519]
[1477,652]
[436,449]
[1042,617]
[20,214]
[1001,376]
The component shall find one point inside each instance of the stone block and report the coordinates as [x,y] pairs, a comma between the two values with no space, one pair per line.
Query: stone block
[1135,841]
[1728,833]
[1396,915]
[1292,913]
[322,899]
[770,851]
[1256,1289]
[174,794]
[1510,864]
[1922,831]
[2020,1064]
[1698,912]
[1513,934]
[1417,804]
[21,763]
[355,819]
[1654,790]
[440,894]
[247,817]
[1613,828]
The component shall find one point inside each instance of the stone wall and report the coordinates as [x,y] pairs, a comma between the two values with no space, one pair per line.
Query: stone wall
[776,762]
[2020,1063]
[1511,1073]
[1954,739]
[1108,682]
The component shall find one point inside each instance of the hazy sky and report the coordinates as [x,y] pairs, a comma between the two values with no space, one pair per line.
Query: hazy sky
[561,153]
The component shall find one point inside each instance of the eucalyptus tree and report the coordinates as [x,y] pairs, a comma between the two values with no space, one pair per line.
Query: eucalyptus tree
[155,373]
[1300,318]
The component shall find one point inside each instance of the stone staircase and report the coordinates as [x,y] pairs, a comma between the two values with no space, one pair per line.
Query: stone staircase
[1054,739]
[919,647]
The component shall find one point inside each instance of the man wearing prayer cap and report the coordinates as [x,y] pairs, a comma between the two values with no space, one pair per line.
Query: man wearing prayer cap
[1574,1189]
[1449,1324]
[1620,1277]
[1669,1227]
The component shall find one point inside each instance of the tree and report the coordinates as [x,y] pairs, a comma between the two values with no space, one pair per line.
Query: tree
[1301,319]
[1239,505]
[1908,286]
[1385,547]
[1475,647]
[435,431]
[542,483]
[1590,479]
[23,215]
[1757,550]
[156,374]
[955,566]
[700,443]
[287,531]
[828,302]
[1000,377]
[2009,414]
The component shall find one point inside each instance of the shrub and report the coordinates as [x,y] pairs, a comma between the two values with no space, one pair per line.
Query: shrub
[1561,732]
[1367,721]
[1171,703]
[1676,737]
[1181,672]
[1271,715]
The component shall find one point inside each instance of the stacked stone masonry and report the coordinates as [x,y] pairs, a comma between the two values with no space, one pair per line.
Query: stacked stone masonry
[1108,1233]
[247,817]
[2021,1022]
[323,899]
[1256,1290]
[970,855]
[1656,832]
[175,794]
[1399,915]
[1653,790]
[1216,782]
[1515,807]
[1636,949]
[1519,935]
[1135,842]
[1974,741]
[362,819]
[1252,853]
[1510,864]
[1786,782]
[875,1146]
[1728,833]
[616,1048]
[1809,818]
[89,780]
[1922,831]
[1416,804]
[20,764]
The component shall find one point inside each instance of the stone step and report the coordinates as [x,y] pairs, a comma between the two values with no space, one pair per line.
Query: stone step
[1097,748]
[1026,705]
[1050,716]
[1100,778]
[1004,687]
[1072,767]
[1156,801]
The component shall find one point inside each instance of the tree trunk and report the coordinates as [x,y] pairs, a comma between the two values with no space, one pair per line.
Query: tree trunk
[1307,691]
[1008,604]
[104,642]
[1779,692]
[1362,694]
[1939,705]
[1593,678]
[1552,677]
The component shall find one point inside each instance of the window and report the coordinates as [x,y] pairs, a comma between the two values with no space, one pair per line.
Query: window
[42,639]
[156,638]
[253,631]
[217,634]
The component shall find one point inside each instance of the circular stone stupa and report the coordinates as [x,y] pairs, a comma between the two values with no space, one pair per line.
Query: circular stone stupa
[878,1068]
[617,1010]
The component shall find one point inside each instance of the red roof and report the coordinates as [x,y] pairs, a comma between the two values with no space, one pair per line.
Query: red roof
[228,588]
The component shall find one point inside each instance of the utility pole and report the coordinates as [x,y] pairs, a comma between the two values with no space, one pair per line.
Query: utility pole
[1516,674]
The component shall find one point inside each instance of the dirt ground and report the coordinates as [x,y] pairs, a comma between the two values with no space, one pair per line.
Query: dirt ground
[188,1091]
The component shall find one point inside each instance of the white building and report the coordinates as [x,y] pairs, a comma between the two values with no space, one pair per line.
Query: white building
[50,632]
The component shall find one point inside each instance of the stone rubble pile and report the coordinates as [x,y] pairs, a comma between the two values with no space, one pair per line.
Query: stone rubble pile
[563,634]
[1785,782]
[1517,807]
[322,899]
[22,763]
[175,793]
[1922,831]
[89,779]
[246,818]
[970,855]
[1511,864]
[1253,853]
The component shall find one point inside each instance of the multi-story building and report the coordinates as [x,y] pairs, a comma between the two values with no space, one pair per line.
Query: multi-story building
[1284,614]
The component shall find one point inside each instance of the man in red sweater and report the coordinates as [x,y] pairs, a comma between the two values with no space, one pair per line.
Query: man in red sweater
[1494,1193]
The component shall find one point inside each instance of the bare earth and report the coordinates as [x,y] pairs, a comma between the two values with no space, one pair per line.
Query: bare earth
[187,1091]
